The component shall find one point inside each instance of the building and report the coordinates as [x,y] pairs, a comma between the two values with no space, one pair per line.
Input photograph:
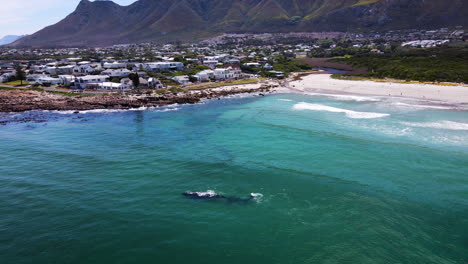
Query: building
[115,86]
[118,73]
[84,81]
[114,65]
[164,66]
[205,75]
[226,73]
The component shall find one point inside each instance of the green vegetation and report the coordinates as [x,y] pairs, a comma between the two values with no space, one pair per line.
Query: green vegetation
[432,65]
[17,82]
[8,88]
[287,66]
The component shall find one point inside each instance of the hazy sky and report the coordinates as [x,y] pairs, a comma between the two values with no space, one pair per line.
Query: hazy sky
[19,17]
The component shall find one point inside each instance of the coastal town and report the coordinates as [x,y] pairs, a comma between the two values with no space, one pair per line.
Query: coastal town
[230,58]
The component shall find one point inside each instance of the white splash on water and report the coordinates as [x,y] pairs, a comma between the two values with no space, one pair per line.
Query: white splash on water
[447,125]
[348,113]
[354,98]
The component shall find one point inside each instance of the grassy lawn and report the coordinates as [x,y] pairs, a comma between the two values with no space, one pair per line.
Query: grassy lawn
[17,83]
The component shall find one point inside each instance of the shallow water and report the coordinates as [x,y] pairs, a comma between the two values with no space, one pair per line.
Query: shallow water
[344,179]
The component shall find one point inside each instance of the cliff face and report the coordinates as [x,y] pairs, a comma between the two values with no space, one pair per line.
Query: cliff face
[104,22]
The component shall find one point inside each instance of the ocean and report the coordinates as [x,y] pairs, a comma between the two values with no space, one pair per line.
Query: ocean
[343,179]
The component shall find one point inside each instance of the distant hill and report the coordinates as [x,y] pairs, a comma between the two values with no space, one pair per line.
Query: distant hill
[9,39]
[104,22]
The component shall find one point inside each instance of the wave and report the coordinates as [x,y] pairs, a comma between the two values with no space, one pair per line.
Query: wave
[106,111]
[348,113]
[447,125]
[438,107]
[285,100]
[353,98]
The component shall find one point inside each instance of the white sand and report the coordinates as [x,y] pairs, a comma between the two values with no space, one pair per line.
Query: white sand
[324,83]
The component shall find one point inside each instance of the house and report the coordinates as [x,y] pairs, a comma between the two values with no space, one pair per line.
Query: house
[164,66]
[210,63]
[118,73]
[33,78]
[268,67]
[205,75]
[114,86]
[184,79]
[84,81]
[47,79]
[67,79]
[115,65]
[67,69]
[155,83]
[226,73]
[83,69]
[6,76]
[253,64]
[277,74]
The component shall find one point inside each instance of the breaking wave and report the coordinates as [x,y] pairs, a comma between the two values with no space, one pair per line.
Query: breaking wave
[348,113]
[447,125]
[353,98]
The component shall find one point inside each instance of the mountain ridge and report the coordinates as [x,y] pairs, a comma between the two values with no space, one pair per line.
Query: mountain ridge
[102,23]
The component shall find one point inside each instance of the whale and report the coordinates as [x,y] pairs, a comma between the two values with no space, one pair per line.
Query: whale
[211,195]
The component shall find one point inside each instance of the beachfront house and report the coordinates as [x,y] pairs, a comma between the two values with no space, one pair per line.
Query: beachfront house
[115,86]
[226,73]
[205,75]
[184,79]
[155,83]
[85,81]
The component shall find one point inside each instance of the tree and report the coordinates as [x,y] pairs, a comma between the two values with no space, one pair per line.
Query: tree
[20,74]
[135,79]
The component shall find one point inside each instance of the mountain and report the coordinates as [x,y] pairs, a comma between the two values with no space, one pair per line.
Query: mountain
[103,22]
[9,39]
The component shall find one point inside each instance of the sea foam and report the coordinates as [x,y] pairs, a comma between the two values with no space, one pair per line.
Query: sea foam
[348,113]
[447,125]
[353,98]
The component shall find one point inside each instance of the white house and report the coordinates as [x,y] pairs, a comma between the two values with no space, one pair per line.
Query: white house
[47,79]
[115,86]
[32,78]
[84,81]
[86,68]
[253,64]
[164,66]
[226,73]
[6,76]
[184,79]
[210,63]
[119,73]
[154,83]
[67,79]
[205,75]
[115,65]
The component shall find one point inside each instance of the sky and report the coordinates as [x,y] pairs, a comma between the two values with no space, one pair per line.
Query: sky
[19,17]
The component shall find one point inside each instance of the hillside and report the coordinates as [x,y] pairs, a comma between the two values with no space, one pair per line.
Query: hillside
[9,39]
[104,22]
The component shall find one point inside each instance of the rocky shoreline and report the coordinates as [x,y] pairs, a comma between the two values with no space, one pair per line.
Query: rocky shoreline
[27,100]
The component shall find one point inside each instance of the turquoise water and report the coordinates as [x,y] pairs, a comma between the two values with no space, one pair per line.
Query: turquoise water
[345,179]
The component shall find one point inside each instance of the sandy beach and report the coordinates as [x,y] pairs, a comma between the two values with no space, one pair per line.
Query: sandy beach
[324,83]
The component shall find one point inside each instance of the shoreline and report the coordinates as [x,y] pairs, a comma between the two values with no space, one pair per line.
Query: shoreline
[14,101]
[323,82]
